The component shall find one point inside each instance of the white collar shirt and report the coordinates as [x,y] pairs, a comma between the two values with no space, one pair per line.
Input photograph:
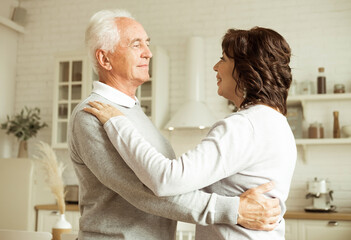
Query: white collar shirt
[114,95]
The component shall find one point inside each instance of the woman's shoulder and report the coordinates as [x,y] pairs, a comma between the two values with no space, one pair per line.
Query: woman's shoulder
[232,123]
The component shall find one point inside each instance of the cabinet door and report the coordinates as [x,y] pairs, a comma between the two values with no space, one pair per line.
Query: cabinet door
[73,218]
[324,230]
[46,220]
[72,84]
[291,229]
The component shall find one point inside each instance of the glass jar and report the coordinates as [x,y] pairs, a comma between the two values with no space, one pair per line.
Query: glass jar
[339,88]
[316,130]
[306,88]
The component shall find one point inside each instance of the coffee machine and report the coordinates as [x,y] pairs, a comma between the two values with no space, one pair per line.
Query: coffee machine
[322,196]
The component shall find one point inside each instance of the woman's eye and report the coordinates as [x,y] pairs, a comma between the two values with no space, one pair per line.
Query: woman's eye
[222,58]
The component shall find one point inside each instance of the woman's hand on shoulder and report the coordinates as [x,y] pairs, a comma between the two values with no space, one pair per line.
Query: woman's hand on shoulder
[102,111]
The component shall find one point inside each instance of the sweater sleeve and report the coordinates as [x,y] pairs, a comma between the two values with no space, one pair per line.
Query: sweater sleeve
[222,153]
[89,146]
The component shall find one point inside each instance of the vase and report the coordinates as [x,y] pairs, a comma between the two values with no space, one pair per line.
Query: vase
[61,226]
[23,149]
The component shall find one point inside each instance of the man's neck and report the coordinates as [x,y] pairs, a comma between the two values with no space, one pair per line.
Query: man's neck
[123,86]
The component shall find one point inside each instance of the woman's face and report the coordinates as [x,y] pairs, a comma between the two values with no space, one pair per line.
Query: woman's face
[225,81]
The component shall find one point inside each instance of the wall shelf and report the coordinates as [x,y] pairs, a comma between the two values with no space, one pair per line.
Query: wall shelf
[323,141]
[11,24]
[301,99]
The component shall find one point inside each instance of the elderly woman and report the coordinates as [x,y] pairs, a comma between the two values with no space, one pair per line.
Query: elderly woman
[247,148]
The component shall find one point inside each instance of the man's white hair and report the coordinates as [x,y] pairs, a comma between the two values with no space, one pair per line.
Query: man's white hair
[102,32]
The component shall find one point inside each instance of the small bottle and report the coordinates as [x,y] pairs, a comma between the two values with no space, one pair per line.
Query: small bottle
[336,129]
[321,81]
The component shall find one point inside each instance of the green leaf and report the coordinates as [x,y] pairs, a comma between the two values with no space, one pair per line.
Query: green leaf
[24,125]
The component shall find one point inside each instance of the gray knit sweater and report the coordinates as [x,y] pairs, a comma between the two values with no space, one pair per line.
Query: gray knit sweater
[114,204]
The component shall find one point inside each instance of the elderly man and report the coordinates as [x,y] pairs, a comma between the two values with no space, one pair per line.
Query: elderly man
[114,204]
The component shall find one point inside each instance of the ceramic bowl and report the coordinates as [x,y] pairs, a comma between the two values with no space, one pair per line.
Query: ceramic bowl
[346,130]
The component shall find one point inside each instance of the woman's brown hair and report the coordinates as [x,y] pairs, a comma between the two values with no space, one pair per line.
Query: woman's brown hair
[261,57]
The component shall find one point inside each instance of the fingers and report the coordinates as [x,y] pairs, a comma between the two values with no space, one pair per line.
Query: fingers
[96,104]
[264,187]
[269,227]
[103,104]
[255,224]
[93,111]
[274,212]
[272,202]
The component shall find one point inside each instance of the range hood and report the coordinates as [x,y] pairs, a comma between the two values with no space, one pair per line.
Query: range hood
[193,113]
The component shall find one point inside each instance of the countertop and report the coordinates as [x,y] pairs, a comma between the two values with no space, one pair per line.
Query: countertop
[337,216]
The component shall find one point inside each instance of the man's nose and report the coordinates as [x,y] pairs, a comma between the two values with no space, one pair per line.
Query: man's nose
[146,52]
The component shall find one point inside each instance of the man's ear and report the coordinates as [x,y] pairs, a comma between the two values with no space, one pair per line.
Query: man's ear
[102,59]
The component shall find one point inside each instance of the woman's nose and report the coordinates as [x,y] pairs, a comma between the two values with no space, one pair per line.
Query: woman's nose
[215,67]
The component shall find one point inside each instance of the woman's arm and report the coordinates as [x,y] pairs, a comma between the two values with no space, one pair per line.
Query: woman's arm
[209,162]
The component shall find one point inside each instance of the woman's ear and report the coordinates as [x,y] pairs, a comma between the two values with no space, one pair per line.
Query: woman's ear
[102,59]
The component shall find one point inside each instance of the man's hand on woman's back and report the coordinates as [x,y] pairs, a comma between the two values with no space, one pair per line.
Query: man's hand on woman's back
[258,212]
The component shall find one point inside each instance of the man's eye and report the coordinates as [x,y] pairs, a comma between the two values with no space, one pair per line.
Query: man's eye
[136,45]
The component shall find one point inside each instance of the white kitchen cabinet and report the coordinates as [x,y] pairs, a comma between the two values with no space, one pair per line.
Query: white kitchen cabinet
[153,95]
[324,230]
[73,81]
[300,229]
[46,219]
[291,229]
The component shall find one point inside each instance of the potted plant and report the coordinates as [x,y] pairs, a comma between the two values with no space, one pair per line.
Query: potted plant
[24,126]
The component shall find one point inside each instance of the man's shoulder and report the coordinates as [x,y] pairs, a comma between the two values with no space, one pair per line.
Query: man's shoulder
[82,118]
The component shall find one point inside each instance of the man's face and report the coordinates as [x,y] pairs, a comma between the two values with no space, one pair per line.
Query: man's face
[130,60]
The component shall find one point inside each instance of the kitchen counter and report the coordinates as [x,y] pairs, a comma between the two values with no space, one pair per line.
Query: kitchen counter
[340,216]
[69,207]
[337,216]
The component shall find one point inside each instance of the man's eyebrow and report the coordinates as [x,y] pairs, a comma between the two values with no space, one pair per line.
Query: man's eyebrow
[138,40]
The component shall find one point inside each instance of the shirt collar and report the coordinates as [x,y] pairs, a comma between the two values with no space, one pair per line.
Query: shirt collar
[113,94]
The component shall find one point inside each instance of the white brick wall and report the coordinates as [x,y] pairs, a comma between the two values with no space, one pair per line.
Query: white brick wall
[318,32]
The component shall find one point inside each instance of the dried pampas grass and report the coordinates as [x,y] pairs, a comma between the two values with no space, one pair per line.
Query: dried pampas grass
[47,157]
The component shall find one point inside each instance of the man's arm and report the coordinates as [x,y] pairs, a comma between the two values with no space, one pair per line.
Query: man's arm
[91,143]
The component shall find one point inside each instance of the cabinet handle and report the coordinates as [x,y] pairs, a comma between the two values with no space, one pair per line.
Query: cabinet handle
[333,223]
[54,212]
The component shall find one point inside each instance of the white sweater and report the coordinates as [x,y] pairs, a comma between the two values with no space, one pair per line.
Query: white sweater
[242,151]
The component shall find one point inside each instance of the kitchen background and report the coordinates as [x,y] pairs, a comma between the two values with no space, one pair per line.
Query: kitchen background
[318,32]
